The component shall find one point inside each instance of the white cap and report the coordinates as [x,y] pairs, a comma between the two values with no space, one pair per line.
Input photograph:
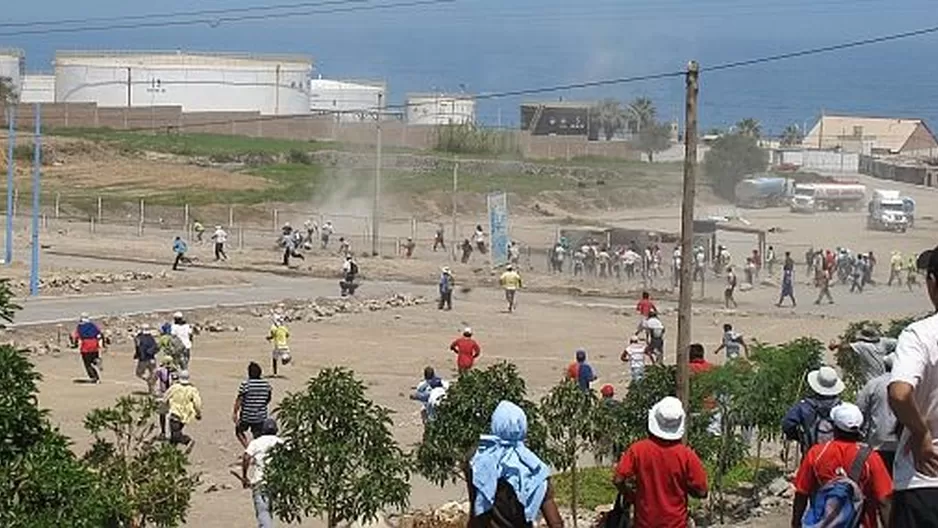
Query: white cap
[666,419]
[83,317]
[145,326]
[825,381]
[183,376]
[847,417]
[177,315]
[467,330]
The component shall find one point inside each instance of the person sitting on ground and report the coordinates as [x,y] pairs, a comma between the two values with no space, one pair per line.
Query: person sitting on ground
[430,393]
[808,422]
[657,474]
[829,468]
[509,486]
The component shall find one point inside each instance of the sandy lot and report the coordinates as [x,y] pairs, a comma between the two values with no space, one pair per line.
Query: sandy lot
[389,349]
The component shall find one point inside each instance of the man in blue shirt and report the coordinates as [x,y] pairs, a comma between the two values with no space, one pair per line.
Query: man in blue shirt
[145,350]
[581,371]
[179,248]
[446,289]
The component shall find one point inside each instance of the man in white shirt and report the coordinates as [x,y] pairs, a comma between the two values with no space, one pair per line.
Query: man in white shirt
[252,470]
[220,237]
[183,331]
[913,396]
[654,336]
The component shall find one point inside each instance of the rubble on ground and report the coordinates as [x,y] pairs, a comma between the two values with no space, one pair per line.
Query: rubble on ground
[77,282]
[324,307]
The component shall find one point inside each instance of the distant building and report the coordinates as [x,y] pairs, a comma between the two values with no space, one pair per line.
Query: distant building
[441,109]
[347,101]
[12,62]
[873,136]
[37,88]
[559,119]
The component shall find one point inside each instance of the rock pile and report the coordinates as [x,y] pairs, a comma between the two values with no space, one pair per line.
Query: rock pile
[78,282]
[449,515]
[325,307]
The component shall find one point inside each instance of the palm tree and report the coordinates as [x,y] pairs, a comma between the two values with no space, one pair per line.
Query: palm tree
[792,135]
[610,116]
[749,127]
[641,112]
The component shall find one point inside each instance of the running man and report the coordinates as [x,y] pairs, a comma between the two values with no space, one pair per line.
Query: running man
[220,237]
[279,336]
[511,282]
[89,341]
[730,288]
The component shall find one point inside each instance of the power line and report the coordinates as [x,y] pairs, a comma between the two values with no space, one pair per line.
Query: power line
[175,14]
[215,22]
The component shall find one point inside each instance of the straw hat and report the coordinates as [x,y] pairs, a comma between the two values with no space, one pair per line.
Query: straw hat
[825,381]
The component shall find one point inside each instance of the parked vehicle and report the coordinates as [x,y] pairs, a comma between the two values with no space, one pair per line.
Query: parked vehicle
[886,212]
[761,192]
[813,197]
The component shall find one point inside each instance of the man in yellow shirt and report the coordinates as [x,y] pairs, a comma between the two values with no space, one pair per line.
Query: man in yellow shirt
[511,283]
[185,403]
[279,335]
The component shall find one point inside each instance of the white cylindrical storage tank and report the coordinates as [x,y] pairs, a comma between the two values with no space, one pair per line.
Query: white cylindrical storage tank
[11,66]
[440,109]
[38,88]
[347,101]
[198,82]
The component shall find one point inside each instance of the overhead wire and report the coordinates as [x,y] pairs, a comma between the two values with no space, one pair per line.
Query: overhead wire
[215,22]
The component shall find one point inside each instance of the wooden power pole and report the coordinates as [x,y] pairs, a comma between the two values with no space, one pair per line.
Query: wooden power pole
[687,235]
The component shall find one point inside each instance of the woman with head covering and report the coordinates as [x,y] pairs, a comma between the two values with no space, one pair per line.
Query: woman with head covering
[509,485]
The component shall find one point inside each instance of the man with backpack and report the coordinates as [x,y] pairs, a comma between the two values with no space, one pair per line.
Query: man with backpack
[845,480]
[809,421]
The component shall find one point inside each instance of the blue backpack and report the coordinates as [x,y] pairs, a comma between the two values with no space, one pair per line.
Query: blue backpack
[839,502]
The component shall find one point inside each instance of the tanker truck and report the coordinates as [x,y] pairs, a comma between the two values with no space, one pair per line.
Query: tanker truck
[887,212]
[813,197]
[761,192]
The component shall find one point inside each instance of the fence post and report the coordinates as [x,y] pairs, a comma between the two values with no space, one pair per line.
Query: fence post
[45,222]
[185,219]
[91,228]
[142,217]
[58,200]
[230,216]
[100,209]
[413,228]
[240,238]
[276,219]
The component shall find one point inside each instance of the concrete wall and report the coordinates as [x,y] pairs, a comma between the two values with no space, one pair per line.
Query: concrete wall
[818,160]
[301,127]
[897,171]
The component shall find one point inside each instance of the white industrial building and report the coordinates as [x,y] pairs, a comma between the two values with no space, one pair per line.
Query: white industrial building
[440,109]
[12,62]
[198,82]
[347,101]
[37,88]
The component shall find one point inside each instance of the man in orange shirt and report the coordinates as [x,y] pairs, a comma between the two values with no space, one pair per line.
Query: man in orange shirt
[843,457]
[467,350]
[656,475]
[645,306]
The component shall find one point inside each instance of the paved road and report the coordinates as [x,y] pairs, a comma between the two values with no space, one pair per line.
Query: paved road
[264,289]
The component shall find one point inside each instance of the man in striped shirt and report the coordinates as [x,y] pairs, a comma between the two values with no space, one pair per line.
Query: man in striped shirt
[250,406]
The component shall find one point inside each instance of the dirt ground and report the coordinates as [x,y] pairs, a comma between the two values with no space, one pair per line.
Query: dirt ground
[390,348]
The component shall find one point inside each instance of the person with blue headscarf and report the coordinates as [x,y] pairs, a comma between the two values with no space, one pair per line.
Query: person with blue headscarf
[509,485]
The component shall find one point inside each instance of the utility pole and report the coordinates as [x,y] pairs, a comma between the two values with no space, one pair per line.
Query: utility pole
[37,161]
[455,189]
[11,140]
[376,207]
[687,235]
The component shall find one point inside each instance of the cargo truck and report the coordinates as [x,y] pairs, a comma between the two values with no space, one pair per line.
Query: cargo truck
[813,197]
[887,212]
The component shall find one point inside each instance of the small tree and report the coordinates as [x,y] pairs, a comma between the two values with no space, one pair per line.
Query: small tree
[339,459]
[792,136]
[465,414]
[568,414]
[730,159]
[150,476]
[749,127]
[653,138]
[610,116]
[42,483]
[641,113]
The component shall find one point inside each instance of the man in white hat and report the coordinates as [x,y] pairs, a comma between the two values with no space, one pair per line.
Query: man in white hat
[467,350]
[659,472]
[145,351]
[511,283]
[447,283]
[88,339]
[220,237]
[873,401]
[185,404]
[181,330]
[824,468]
[809,422]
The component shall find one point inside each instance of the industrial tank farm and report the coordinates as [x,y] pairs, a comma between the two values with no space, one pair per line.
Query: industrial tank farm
[198,82]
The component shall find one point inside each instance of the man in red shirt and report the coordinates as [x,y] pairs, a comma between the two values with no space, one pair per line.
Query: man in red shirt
[828,460]
[657,474]
[698,363]
[466,349]
[645,306]
[88,339]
